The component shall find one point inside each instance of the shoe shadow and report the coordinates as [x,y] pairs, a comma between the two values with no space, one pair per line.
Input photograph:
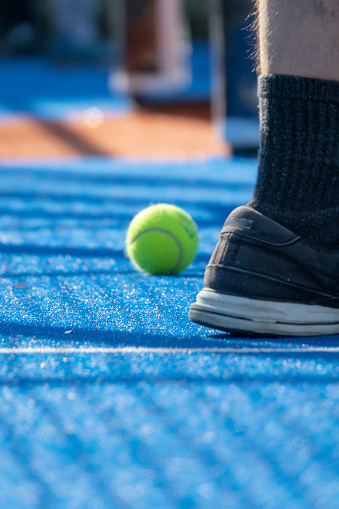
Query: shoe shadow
[282,341]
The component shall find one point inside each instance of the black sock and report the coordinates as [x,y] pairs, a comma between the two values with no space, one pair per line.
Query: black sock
[298,177]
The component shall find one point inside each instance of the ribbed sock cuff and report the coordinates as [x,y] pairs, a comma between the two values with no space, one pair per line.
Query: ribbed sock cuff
[299,158]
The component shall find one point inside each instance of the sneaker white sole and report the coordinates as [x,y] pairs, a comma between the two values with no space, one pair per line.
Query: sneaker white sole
[238,314]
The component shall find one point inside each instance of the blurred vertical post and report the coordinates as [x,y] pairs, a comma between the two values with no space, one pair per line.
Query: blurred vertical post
[218,67]
[153,47]
[234,84]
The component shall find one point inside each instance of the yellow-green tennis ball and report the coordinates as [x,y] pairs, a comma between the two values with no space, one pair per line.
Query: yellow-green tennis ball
[162,239]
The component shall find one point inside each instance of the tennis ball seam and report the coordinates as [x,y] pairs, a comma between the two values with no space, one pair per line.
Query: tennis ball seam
[166,232]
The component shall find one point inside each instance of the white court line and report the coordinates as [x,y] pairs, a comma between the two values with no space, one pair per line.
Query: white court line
[160,350]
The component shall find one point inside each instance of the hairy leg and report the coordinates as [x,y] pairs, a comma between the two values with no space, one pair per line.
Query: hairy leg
[299,38]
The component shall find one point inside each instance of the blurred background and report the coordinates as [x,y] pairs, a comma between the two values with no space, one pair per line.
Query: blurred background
[62,26]
[215,77]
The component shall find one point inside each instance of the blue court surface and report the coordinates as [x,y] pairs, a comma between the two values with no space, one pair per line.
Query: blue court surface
[110,397]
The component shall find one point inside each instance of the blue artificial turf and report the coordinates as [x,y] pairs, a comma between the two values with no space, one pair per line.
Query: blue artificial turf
[141,429]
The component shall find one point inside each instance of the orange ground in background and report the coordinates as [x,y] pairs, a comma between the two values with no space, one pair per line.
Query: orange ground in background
[142,133]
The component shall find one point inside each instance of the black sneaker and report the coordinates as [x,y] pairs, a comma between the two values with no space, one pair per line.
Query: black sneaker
[263,279]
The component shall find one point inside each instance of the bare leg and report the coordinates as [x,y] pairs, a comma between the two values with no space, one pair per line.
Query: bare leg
[299,38]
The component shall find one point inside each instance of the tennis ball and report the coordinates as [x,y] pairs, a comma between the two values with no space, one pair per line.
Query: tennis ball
[162,239]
